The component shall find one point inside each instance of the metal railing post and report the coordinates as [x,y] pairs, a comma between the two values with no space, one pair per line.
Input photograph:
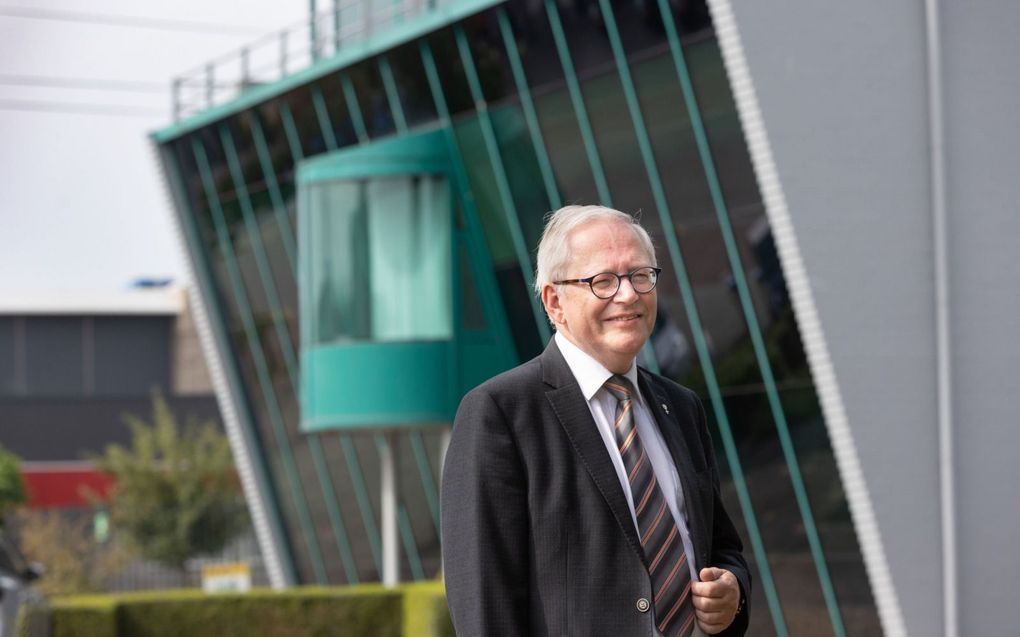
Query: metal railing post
[313,39]
[210,87]
[245,69]
[283,54]
[336,25]
[175,96]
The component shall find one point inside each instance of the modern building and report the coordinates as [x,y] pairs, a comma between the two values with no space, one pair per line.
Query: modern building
[359,202]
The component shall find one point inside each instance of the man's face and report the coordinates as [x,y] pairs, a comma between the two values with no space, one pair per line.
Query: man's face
[611,331]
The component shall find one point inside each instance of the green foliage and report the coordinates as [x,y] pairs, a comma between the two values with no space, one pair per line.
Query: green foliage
[12,485]
[417,610]
[176,493]
[74,561]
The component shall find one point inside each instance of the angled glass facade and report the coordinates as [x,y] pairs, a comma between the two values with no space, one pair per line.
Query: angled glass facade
[539,104]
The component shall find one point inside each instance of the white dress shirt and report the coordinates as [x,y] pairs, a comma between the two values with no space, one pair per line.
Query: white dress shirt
[591,376]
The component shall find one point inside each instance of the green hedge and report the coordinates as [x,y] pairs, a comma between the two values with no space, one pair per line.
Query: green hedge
[89,616]
[425,611]
[412,610]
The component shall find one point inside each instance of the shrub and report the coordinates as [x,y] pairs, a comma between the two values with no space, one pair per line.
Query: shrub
[414,610]
[176,493]
[73,560]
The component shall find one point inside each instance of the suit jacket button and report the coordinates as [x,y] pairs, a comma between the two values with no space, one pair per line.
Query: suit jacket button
[643,605]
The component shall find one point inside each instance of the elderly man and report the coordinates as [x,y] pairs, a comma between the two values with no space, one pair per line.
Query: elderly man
[580,492]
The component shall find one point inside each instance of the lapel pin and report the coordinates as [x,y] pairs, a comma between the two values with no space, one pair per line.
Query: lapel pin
[665,408]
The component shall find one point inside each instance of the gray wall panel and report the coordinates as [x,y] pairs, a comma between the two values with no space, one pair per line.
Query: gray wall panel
[54,355]
[8,371]
[843,95]
[982,98]
[132,354]
[58,429]
[844,99]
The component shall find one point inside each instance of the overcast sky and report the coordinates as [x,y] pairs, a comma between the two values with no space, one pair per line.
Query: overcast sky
[82,203]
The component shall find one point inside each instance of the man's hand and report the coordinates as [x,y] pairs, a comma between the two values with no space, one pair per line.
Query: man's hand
[716,599]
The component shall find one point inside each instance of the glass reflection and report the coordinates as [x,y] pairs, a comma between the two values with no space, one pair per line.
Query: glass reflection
[381,259]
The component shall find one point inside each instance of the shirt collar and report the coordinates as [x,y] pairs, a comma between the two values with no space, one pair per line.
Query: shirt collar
[590,373]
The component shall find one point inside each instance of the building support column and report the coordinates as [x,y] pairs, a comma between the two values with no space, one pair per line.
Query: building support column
[388,511]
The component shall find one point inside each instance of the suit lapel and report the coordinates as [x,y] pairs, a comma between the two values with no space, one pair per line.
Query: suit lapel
[666,419]
[572,411]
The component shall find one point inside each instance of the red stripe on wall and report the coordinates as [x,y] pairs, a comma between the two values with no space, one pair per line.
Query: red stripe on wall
[64,487]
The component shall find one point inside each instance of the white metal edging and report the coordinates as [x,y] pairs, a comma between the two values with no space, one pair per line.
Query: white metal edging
[819,360]
[944,379]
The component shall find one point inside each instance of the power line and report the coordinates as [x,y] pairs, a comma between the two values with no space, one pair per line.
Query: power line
[133,86]
[82,109]
[141,22]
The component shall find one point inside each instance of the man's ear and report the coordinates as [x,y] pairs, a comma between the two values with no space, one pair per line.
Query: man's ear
[553,303]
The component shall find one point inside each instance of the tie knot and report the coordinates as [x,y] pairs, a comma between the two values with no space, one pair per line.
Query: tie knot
[619,387]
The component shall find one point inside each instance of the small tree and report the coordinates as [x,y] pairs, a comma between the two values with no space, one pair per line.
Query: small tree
[176,493]
[12,485]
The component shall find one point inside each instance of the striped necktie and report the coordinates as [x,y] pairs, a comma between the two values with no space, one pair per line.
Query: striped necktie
[660,539]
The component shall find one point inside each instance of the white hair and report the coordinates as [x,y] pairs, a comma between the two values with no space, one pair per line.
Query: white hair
[554,248]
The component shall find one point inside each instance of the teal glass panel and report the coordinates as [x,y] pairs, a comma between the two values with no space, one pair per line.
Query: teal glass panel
[372,99]
[562,134]
[486,193]
[337,108]
[359,385]
[275,245]
[522,170]
[617,145]
[380,250]
[412,85]
[409,237]
[337,219]
[472,315]
[306,121]
[485,44]
[271,122]
[451,72]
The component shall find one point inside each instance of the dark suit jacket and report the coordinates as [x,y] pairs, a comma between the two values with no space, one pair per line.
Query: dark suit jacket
[537,535]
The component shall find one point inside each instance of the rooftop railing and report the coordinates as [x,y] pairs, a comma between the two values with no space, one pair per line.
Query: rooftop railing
[294,48]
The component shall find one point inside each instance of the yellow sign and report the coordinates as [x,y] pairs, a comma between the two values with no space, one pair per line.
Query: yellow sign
[233,577]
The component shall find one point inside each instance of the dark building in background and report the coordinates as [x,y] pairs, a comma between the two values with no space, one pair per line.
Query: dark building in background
[72,366]
[311,198]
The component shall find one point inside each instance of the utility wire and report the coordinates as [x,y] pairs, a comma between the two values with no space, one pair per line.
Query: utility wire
[132,86]
[141,22]
[83,109]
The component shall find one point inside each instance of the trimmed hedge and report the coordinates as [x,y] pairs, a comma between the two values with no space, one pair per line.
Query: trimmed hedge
[86,615]
[425,611]
[412,610]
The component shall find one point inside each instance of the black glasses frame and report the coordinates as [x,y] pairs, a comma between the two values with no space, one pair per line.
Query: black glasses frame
[619,277]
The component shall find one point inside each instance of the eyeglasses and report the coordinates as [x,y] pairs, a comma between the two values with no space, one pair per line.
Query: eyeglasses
[606,284]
